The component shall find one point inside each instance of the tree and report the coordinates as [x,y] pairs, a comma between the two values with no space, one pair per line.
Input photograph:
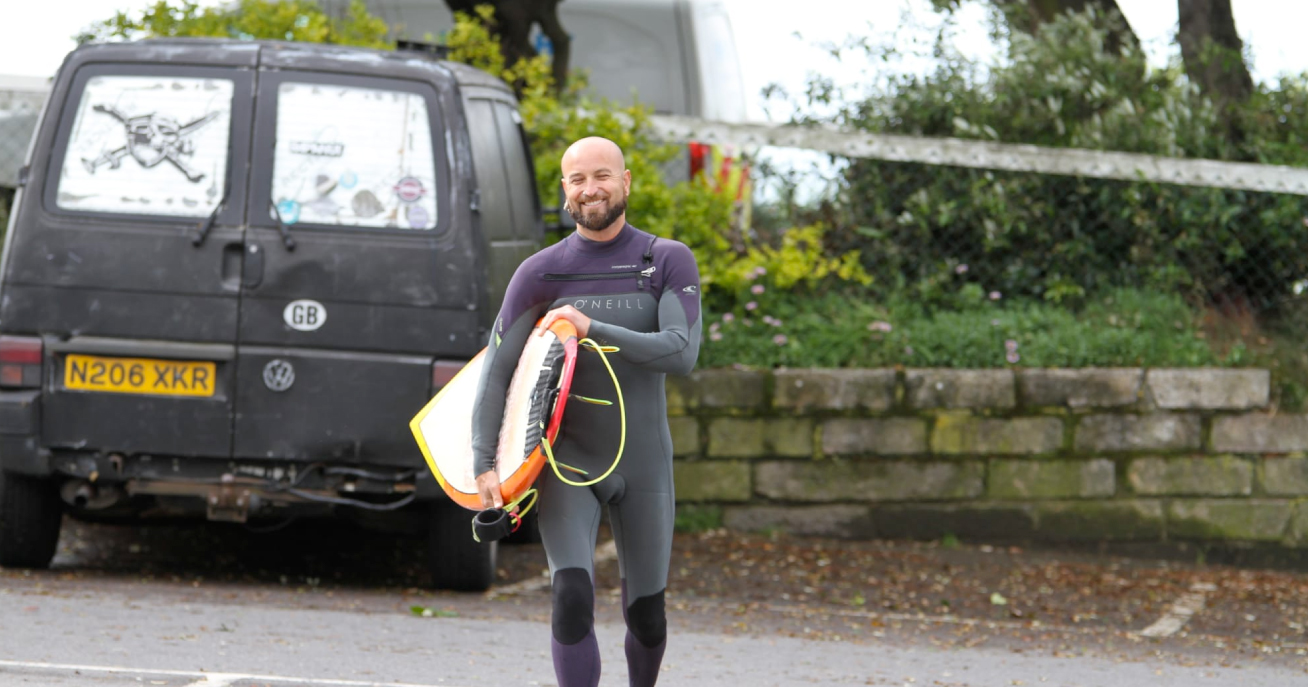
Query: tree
[291,20]
[1212,52]
[1034,13]
[514,19]
[1029,15]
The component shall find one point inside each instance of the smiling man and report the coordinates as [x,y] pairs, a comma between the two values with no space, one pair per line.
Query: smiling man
[627,289]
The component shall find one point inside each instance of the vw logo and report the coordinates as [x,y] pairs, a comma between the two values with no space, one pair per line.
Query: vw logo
[278,375]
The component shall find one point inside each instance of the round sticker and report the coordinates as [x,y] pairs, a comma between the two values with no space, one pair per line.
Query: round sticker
[409,189]
[304,315]
[289,211]
[417,215]
[349,180]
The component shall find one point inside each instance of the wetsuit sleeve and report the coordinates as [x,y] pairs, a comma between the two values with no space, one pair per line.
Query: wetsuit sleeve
[675,346]
[521,309]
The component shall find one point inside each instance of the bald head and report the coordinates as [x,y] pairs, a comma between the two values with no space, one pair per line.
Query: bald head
[596,183]
[596,149]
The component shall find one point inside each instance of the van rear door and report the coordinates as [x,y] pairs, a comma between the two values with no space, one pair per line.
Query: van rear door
[357,271]
[137,315]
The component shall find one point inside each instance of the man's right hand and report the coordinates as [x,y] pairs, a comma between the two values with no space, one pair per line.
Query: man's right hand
[488,486]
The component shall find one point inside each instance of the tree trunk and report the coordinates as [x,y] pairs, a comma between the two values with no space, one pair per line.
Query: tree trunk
[1212,52]
[514,18]
[1120,33]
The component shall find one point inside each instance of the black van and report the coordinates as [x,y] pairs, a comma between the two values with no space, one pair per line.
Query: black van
[235,269]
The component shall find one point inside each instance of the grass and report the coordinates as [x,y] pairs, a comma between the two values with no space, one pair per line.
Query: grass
[1123,328]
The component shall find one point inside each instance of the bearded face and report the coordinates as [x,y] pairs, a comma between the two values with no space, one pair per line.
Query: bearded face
[596,213]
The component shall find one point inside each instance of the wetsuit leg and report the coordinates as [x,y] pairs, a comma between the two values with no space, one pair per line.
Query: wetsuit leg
[569,524]
[642,529]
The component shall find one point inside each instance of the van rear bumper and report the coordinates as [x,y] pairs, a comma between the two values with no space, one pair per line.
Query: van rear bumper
[232,490]
[20,412]
[20,421]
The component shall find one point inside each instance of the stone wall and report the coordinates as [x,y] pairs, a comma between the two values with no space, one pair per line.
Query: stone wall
[1120,454]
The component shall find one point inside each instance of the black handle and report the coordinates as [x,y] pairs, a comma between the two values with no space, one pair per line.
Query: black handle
[252,273]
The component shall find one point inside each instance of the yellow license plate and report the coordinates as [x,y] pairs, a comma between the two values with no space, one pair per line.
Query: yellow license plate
[139,375]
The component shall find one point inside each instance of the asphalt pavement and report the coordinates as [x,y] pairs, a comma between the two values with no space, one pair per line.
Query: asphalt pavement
[198,604]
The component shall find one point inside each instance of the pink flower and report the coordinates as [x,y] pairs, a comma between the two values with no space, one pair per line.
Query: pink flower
[760,271]
[1013,357]
[751,305]
[1010,346]
[908,350]
[757,289]
[779,339]
[715,336]
[714,326]
[995,295]
[728,317]
[776,322]
[879,326]
[961,269]
[994,323]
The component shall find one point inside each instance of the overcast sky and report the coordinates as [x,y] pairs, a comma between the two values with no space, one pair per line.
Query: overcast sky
[36,35]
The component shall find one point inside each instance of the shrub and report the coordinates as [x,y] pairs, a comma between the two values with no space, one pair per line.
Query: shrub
[1064,239]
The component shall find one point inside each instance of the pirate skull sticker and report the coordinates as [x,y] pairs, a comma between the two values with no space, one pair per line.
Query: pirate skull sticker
[152,139]
[148,145]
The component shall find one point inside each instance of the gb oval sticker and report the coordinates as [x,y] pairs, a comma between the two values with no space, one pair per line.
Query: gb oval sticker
[304,315]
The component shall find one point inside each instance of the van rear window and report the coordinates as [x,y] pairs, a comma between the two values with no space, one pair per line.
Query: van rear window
[152,145]
[351,156]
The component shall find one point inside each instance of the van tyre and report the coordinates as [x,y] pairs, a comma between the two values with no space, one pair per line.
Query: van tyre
[457,562]
[30,515]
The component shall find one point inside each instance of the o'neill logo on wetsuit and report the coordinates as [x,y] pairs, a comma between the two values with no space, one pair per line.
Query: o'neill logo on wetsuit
[608,304]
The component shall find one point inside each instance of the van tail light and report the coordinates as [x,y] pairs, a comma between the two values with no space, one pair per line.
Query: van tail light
[20,362]
[442,371]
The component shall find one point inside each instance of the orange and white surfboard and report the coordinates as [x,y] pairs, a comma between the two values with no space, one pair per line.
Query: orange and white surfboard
[533,410]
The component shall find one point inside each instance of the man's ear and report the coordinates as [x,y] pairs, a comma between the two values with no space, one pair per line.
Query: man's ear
[626,180]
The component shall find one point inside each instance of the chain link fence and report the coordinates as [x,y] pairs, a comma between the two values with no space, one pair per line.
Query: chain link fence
[937,218]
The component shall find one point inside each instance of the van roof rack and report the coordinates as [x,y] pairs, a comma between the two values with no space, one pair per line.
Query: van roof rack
[436,50]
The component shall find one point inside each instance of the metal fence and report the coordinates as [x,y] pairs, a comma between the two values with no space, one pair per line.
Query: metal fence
[1064,224]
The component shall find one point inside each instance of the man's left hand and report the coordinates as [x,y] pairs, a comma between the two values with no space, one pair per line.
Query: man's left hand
[569,313]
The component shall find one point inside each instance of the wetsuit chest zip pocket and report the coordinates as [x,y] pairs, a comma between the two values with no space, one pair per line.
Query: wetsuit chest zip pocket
[639,275]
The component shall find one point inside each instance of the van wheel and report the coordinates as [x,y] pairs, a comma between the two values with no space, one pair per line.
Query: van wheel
[30,515]
[456,561]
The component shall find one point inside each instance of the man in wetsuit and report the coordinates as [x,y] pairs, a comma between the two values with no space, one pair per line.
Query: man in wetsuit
[623,288]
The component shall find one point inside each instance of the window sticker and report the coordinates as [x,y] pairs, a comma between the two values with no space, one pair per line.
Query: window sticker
[357,157]
[154,145]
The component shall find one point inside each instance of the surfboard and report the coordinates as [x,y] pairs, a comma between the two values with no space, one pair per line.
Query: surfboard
[533,409]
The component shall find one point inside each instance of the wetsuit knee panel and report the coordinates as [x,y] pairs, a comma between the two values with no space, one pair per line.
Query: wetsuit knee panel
[574,605]
[647,620]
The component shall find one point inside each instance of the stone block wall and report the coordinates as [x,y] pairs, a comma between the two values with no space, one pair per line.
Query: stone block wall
[1122,454]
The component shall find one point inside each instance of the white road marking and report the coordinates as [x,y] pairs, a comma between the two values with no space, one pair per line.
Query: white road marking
[603,554]
[1180,612]
[205,679]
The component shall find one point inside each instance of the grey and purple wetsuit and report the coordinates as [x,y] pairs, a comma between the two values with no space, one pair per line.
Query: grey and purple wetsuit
[642,295]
